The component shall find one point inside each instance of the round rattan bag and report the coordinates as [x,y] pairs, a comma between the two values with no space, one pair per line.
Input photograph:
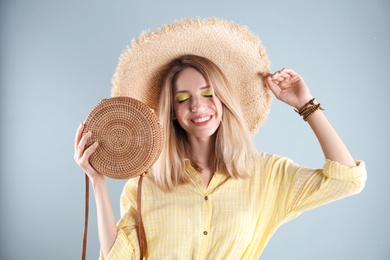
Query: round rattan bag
[129,137]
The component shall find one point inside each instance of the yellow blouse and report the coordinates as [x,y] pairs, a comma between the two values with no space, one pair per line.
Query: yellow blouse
[231,218]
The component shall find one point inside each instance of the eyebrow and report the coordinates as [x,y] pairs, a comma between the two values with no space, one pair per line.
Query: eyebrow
[186,91]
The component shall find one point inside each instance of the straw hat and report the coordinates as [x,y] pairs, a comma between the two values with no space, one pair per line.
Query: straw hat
[232,47]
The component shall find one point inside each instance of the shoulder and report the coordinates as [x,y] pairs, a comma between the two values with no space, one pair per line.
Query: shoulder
[263,159]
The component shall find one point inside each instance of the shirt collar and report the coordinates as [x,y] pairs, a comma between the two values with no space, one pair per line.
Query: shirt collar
[195,177]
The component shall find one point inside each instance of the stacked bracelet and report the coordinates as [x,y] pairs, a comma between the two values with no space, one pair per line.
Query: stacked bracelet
[308,109]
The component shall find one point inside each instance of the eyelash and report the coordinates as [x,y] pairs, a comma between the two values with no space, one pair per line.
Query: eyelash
[182,101]
[205,95]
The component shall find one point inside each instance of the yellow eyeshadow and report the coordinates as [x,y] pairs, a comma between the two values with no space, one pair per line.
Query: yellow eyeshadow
[182,97]
[207,92]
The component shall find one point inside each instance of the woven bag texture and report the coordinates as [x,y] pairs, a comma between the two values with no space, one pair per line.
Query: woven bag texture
[129,135]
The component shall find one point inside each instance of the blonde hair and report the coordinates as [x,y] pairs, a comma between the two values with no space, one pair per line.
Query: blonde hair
[234,148]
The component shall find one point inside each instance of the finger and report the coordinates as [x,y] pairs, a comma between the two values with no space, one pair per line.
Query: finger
[84,160]
[284,73]
[82,143]
[78,136]
[265,76]
[78,132]
[273,86]
[277,77]
[289,72]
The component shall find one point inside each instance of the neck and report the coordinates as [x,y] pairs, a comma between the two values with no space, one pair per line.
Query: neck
[202,151]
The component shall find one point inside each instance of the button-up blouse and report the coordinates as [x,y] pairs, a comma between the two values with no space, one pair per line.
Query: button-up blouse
[231,218]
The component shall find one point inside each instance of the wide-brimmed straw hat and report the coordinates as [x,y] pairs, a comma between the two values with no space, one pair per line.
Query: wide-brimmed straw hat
[232,47]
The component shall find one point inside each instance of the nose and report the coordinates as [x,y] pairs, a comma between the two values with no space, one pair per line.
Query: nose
[197,104]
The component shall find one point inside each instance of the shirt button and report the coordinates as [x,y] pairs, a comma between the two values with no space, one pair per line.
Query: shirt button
[206,198]
[205,233]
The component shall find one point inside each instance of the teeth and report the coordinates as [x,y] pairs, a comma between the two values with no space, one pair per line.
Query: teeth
[201,120]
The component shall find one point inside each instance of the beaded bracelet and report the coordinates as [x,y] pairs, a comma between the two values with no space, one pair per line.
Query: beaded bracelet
[308,109]
[310,102]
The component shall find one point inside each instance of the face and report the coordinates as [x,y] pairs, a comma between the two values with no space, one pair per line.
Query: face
[196,108]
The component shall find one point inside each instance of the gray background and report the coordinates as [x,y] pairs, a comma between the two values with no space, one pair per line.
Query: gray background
[57,60]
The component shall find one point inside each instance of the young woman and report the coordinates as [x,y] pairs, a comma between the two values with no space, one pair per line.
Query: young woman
[211,195]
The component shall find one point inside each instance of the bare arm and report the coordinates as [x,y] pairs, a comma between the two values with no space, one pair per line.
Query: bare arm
[105,215]
[332,146]
[289,87]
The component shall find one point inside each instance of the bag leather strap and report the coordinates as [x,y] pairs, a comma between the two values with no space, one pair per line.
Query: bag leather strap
[86,213]
[141,231]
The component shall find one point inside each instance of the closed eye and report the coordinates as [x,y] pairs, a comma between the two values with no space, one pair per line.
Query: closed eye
[208,93]
[182,97]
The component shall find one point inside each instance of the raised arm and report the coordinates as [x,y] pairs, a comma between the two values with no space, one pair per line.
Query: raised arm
[289,87]
[105,215]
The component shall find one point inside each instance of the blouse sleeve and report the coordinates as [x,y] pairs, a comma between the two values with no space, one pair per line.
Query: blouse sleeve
[297,189]
[126,245]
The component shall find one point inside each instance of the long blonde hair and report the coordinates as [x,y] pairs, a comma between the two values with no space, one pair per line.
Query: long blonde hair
[234,148]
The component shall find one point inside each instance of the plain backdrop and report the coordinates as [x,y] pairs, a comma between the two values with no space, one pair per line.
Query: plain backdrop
[57,60]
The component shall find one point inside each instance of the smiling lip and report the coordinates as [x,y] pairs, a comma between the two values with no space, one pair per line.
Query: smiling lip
[201,120]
